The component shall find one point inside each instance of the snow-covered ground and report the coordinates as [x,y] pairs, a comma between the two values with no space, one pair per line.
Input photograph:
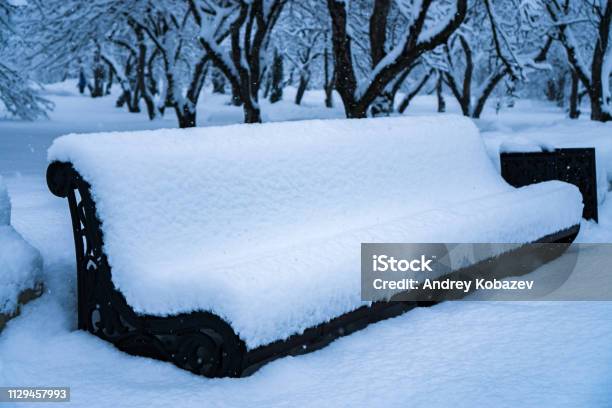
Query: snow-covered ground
[454,354]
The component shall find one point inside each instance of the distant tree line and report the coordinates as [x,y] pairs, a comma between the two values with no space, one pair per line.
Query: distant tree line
[18,96]
[162,53]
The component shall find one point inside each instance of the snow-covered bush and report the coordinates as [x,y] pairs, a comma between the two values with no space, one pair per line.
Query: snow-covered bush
[20,263]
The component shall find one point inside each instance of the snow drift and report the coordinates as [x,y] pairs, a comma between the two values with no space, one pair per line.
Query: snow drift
[262,224]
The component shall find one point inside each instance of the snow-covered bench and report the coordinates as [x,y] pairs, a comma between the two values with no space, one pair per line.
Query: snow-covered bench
[230,246]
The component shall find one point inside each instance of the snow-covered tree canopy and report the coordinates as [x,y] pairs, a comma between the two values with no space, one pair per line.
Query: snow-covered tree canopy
[247,24]
[421,27]
[17,95]
[584,28]
[498,40]
[162,53]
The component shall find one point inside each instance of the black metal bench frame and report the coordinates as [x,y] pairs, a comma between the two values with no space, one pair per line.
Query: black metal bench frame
[572,165]
[200,341]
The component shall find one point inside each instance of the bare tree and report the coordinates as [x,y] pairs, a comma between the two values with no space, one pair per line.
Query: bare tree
[439,94]
[67,33]
[302,36]
[329,77]
[414,87]
[184,64]
[147,46]
[497,40]
[277,73]
[420,35]
[306,50]
[218,82]
[250,24]
[129,57]
[568,17]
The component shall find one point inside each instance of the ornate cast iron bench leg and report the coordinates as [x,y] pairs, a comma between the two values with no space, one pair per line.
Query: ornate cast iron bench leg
[199,342]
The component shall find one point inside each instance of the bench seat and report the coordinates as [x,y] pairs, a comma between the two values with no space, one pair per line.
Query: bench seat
[261,225]
[283,290]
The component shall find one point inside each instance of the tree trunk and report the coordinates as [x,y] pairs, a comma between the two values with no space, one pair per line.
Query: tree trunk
[122,99]
[186,117]
[276,91]
[463,92]
[574,105]
[82,81]
[440,96]
[267,87]
[328,80]
[382,105]
[346,81]
[409,96]
[109,83]
[252,113]
[140,90]
[488,89]
[218,82]
[329,96]
[134,101]
[355,111]
[599,54]
[597,111]
[236,99]
[301,89]
[152,85]
[151,108]
[133,105]
[97,89]
[98,84]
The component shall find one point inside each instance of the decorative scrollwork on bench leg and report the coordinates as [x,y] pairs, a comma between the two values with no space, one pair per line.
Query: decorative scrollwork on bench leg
[199,342]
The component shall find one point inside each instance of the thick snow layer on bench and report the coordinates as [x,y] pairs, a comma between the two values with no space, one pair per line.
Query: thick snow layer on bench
[262,224]
[20,264]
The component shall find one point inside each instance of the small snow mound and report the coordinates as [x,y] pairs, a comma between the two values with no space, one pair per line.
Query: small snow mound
[20,263]
[20,268]
[524,145]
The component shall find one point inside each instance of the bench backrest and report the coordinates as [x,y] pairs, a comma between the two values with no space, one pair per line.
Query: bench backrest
[242,188]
